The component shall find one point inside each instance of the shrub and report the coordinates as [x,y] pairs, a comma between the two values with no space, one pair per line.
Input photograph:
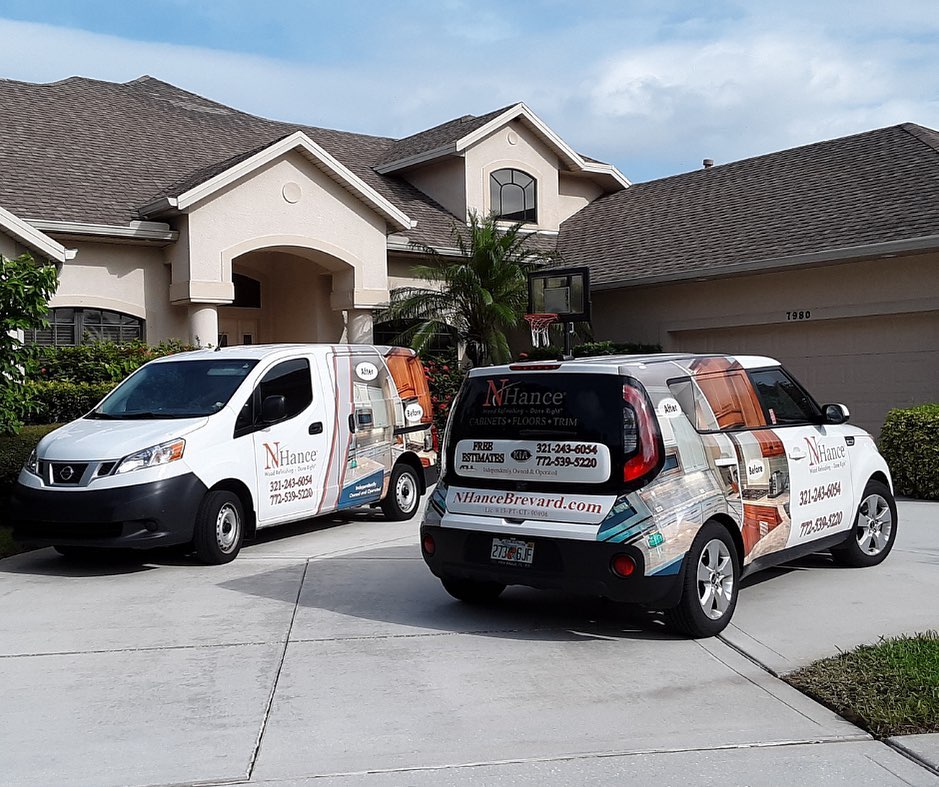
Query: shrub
[445,377]
[59,401]
[909,441]
[101,362]
[14,451]
[592,348]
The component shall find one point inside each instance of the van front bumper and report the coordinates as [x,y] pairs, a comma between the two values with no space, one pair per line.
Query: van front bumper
[143,516]
[578,567]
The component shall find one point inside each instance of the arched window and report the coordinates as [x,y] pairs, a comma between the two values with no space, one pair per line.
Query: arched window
[84,326]
[512,194]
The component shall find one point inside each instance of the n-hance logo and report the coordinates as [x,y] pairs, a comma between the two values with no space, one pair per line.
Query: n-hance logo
[820,453]
[276,456]
[502,393]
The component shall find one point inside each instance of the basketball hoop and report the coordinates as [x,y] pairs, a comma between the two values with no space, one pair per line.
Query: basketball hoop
[539,324]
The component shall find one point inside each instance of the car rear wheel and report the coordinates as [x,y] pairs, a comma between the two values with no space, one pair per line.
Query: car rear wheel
[219,530]
[875,529]
[710,584]
[472,591]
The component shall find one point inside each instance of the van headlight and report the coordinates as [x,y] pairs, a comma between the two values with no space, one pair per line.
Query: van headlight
[161,454]
[32,464]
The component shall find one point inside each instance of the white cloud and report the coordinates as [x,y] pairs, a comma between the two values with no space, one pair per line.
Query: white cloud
[616,89]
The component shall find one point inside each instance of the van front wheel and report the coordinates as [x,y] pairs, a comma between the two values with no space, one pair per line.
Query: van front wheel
[219,528]
[404,494]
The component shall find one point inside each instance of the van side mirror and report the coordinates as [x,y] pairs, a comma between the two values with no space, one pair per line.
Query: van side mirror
[273,408]
[835,414]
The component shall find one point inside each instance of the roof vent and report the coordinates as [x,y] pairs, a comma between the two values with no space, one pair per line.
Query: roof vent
[708,163]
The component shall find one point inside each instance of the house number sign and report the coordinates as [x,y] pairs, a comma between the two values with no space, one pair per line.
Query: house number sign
[804,314]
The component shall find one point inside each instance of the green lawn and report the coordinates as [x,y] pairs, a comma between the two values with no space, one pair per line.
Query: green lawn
[891,688]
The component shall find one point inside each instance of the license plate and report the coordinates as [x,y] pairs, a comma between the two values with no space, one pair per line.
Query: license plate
[511,550]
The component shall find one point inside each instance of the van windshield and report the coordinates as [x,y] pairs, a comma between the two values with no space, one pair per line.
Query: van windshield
[175,389]
[541,428]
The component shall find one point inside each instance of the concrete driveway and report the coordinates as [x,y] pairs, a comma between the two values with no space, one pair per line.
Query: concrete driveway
[329,652]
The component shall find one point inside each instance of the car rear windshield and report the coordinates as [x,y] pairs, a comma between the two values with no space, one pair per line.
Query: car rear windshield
[175,389]
[540,428]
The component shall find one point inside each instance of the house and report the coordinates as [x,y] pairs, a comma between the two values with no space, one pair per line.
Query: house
[191,219]
[194,220]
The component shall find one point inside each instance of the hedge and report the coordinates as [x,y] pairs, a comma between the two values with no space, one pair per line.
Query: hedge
[101,362]
[15,450]
[592,348]
[909,441]
[58,401]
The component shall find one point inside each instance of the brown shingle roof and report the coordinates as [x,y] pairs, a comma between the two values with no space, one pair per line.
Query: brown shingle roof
[90,151]
[436,137]
[875,187]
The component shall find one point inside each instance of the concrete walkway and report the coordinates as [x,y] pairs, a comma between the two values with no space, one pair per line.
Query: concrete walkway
[330,653]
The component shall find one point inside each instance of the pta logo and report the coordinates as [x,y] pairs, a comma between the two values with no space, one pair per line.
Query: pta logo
[502,393]
[819,452]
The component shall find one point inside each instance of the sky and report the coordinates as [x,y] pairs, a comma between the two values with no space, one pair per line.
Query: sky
[652,86]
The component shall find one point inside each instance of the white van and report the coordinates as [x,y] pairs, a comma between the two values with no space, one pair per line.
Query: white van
[660,480]
[206,447]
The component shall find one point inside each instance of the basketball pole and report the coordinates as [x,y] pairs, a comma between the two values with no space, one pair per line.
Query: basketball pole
[568,341]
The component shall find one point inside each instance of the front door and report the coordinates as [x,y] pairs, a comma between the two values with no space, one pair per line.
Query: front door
[820,493]
[234,331]
[290,454]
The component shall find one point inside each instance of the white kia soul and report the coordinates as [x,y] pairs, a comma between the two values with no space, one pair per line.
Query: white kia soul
[660,480]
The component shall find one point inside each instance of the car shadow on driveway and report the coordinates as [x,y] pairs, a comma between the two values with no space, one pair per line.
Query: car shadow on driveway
[389,592]
[103,562]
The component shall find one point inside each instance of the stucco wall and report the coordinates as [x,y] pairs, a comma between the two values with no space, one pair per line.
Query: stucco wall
[124,278]
[883,286]
[254,214]
[527,153]
[574,194]
[9,247]
[443,181]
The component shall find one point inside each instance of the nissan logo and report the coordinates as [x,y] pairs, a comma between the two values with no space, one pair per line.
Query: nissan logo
[66,473]
[521,455]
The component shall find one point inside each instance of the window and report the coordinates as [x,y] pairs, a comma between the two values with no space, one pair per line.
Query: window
[84,326]
[719,401]
[784,401]
[512,195]
[290,379]
[400,332]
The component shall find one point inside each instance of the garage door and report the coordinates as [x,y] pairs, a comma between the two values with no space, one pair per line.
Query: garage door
[870,364]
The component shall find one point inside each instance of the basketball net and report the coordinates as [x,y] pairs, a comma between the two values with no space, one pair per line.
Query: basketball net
[539,324]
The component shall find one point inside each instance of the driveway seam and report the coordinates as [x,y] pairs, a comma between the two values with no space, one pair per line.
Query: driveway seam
[823,740]
[149,649]
[280,667]
[912,756]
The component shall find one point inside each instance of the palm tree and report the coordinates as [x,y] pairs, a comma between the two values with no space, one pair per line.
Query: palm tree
[478,295]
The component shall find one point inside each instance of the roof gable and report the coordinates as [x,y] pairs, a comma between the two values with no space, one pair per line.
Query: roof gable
[455,136]
[206,182]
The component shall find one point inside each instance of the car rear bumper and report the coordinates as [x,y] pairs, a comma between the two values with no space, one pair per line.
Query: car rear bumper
[581,567]
[159,513]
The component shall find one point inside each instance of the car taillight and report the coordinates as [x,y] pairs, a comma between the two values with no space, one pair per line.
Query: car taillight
[638,436]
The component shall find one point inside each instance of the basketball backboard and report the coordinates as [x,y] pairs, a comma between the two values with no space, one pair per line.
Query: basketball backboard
[561,291]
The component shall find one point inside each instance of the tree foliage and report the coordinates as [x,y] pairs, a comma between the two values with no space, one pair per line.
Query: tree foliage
[478,295]
[25,289]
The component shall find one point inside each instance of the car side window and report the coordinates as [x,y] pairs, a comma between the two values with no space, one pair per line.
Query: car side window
[732,400]
[784,400]
[290,379]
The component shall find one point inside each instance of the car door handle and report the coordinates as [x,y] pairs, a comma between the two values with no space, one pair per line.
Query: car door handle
[725,461]
[797,453]
[316,428]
